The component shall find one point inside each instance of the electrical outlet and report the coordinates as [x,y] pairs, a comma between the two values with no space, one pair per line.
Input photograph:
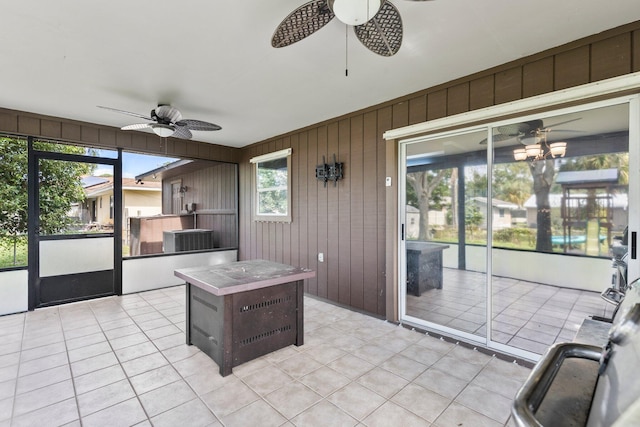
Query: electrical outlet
[320,257]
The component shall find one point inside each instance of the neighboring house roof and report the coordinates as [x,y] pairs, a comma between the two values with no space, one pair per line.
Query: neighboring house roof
[619,200]
[412,209]
[104,185]
[496,203]
[599,176]
[89,181]
[174,169]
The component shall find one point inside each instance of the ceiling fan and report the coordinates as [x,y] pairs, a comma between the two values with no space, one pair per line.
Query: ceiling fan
[377,23]
[529,132]
[167,121]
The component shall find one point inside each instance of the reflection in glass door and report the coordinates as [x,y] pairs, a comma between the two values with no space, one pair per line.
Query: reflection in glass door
[544,212]
[445,241]
[559,218]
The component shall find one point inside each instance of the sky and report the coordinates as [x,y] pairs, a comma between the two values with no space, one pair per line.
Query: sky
[133,164]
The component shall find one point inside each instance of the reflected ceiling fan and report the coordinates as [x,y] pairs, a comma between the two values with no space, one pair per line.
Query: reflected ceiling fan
[166,121]
[529,132]
[377,23]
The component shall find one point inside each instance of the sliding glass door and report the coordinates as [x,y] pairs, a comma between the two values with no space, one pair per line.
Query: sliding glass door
[444,247]
[509,229]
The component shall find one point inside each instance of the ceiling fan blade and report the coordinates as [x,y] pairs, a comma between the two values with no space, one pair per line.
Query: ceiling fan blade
[136,126]
[182,132]
[561,123]
[383,33]
[129,113]
[198,125]
[499,137]
[168,113]
[302,22]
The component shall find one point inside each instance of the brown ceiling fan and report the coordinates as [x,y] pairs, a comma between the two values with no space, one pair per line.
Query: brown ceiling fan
[166,121]
[377,23]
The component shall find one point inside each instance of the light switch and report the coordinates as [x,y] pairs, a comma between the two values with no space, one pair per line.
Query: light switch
[320,257]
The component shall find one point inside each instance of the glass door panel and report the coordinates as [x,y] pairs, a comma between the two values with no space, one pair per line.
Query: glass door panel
[558,217]
[444,208]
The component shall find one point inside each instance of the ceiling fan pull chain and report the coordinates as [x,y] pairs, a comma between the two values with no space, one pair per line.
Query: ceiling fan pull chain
[346,50]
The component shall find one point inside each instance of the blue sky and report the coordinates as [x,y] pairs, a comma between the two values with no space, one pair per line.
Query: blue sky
[134,164]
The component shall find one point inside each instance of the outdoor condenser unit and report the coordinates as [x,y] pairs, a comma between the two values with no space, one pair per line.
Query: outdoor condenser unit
[187,240]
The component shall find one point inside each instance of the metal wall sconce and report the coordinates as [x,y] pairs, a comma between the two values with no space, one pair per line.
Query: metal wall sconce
[329,171]
[183,190]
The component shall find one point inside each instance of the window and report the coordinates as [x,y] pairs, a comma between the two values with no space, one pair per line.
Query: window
[272,200]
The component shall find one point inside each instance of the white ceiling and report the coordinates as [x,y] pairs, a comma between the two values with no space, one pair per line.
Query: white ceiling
[213,59]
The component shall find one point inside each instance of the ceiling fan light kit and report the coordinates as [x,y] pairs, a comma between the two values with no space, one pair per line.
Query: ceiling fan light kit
[540,151]
[355,12]
[163,131]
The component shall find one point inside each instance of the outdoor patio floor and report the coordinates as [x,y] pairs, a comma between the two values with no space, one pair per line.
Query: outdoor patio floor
[526,315]
[123,361]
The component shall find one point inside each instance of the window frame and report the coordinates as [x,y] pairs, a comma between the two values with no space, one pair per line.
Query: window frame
[256,161]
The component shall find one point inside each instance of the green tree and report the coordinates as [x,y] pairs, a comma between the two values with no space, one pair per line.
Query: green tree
[272,187]
[472,217]
[428,187]
[512,182]
[60,187]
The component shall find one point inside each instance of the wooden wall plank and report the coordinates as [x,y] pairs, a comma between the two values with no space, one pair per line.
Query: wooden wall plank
[383,123]
[436,104]
[571,68]
[8,121]
[356,208]
[417,109]
[312,210]
[400,114]
[537,77]
[481,92]
[322,221]
[295,196]
[90,134]
[344,213]
[51,129]
[635,52]
[458,99]
[28,125]
[508,85]
[303,202]
[370,186]
[332,257]
[611,57]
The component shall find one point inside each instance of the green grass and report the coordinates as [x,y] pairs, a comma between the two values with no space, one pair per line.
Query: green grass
[7,253]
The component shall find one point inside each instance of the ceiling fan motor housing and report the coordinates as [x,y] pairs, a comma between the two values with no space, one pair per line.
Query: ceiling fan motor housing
[355,12]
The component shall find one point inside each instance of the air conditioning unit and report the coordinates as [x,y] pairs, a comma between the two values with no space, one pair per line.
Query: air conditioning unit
[187,240]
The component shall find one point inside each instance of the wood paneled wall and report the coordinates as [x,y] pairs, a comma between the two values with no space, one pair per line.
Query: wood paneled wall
[214,191]
[29,124]
[347,222]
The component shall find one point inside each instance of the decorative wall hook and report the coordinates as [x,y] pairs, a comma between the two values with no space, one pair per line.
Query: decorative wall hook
[329,171]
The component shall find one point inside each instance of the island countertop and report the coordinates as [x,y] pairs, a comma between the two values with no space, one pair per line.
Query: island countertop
[241,276]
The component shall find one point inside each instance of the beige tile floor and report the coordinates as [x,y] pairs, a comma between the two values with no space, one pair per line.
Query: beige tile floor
[526,315]
[123,361]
